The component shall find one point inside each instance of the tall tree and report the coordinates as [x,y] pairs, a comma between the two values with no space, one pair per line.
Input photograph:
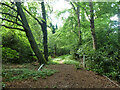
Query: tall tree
[43,24]
[92,26]
[53,28]
[26,27]
[29,34]
[44,29]
[119,28]
[77,12]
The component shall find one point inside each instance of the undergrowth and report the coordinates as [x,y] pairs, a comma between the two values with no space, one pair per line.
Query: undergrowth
[20,74]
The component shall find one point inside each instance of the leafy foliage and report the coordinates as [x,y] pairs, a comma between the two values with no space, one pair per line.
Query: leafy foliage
[9,55]
[104,64]
[20,74]
[16,41]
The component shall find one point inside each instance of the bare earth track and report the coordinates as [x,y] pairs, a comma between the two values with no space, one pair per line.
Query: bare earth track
[67,77]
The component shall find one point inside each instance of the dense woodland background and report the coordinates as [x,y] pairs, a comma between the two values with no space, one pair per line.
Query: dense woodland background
[29,35]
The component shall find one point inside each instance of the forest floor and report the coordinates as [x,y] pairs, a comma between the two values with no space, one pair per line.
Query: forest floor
[66,77]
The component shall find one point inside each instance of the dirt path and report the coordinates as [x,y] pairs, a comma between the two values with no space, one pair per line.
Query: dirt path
[67,77]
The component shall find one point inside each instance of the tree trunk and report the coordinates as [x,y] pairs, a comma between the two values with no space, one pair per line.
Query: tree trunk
[44,29]
[77,11]
[79,31]
[92,26]
[55,50]
[30,35]
[118,29]
[53,32]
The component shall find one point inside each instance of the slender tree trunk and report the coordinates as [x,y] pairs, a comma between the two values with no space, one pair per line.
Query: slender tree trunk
[30,35]
[53,32]
[55,49]
[44,29]
[92,26]
[79,31]
[55,46]
[77,11]
[119,29]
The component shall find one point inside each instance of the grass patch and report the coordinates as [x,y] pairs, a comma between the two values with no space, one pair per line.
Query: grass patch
[53,62]
[71,62]
[20,74]
[76,63]
[67,59]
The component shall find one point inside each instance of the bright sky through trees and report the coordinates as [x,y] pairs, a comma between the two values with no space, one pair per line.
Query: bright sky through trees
[61,5]
[114,18]
[58,6]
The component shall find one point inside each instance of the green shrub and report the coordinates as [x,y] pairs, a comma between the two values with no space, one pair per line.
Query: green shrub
[9,55]
[100,61]
[3,85]
[18,41]
[105,60]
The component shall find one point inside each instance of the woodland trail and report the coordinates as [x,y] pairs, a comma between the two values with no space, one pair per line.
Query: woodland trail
[66,77]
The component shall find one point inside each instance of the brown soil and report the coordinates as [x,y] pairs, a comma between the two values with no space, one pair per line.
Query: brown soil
[66,77]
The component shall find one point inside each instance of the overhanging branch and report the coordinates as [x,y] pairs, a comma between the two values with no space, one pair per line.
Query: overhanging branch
[73,6]
[11,27]
[84,9]
[8,6]
[11,16]
[32,16]
[17,17]
[11,21]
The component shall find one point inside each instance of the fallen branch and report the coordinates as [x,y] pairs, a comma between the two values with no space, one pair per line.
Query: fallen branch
[111,81]
[40,67]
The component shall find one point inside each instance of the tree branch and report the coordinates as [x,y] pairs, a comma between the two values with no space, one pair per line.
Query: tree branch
[17,17]
[8,6]
[11,27]
[84,9]
[73,6]
[75,32]
[11,21]
[11,16]
[32,16]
